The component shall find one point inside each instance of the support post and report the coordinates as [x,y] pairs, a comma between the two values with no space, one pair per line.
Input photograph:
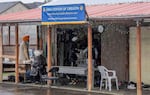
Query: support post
[138,46]
[17,55]
[37,36]
[49,64]
[41,38]
[9,34]
[89,58]
[1,53]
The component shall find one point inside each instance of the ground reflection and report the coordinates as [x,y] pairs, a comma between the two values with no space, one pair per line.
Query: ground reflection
[26,90]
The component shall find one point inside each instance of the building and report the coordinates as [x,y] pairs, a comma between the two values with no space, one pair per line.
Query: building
[34,5]
[118,49]
[12,7]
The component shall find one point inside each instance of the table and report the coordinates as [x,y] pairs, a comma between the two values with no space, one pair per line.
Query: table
[82,71]
[8,66]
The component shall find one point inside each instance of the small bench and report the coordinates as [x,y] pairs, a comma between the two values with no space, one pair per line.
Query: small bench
[54,70]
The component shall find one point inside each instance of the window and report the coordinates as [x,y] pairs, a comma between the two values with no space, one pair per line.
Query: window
[28,30]
[5,34]
[12,35]
[9,34]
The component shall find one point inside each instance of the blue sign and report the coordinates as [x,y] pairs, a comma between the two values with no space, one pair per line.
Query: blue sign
[63,13]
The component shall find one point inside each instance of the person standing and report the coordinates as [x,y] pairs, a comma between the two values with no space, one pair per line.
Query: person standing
[24,49]
[24,59]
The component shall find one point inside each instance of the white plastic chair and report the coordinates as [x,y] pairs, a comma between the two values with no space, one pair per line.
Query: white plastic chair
[105,76]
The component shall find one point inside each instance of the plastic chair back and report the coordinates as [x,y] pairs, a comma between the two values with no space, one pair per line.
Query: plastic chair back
[103,71]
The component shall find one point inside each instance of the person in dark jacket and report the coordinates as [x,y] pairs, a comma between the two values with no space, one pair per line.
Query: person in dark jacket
[38,67]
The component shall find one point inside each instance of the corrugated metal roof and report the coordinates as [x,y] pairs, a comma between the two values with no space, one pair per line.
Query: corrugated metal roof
[96,11]
[63,2]
[124,9]
[28,15]
[89,2]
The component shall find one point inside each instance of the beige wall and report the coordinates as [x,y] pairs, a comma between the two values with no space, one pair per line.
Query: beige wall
[145,54]
[18,7]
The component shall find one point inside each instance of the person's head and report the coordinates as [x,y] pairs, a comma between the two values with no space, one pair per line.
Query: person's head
[26,38]
[38,52]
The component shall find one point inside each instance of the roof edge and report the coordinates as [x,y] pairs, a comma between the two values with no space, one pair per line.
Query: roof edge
[133,17]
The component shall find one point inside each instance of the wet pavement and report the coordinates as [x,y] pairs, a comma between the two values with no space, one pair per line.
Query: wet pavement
[8,89]
[13,89]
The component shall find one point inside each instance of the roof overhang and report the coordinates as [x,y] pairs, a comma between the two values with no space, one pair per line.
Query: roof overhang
[134,18]
[27,21]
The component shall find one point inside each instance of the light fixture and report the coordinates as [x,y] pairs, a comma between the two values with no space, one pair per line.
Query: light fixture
[100,29]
